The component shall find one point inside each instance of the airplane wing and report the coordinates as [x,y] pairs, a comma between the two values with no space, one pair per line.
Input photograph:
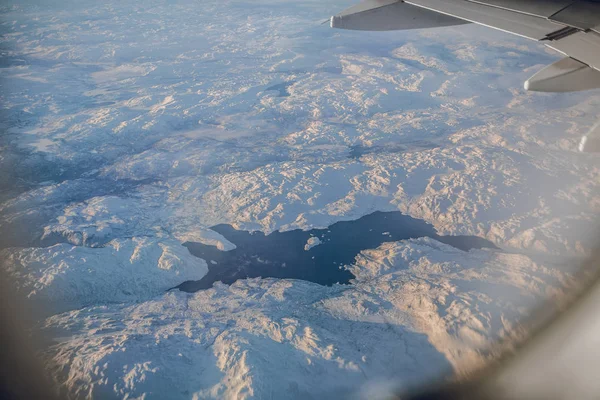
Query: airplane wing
[571,27]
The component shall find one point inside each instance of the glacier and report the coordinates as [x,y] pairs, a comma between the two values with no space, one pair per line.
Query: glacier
[129,129]
[65,277]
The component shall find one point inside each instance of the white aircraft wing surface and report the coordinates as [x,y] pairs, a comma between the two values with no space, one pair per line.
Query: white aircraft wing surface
[571,27]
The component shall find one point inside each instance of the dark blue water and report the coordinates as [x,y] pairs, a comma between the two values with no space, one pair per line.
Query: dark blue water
[282,254]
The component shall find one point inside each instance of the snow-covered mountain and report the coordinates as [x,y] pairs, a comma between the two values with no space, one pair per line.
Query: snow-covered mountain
[418,309]
[131,128]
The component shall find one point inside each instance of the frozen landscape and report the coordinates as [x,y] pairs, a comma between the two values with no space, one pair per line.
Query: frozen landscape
[132,128]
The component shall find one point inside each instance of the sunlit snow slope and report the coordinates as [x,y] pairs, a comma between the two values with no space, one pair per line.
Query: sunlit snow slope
[129,128]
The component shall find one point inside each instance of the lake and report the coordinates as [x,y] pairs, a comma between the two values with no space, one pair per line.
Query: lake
[288,255]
